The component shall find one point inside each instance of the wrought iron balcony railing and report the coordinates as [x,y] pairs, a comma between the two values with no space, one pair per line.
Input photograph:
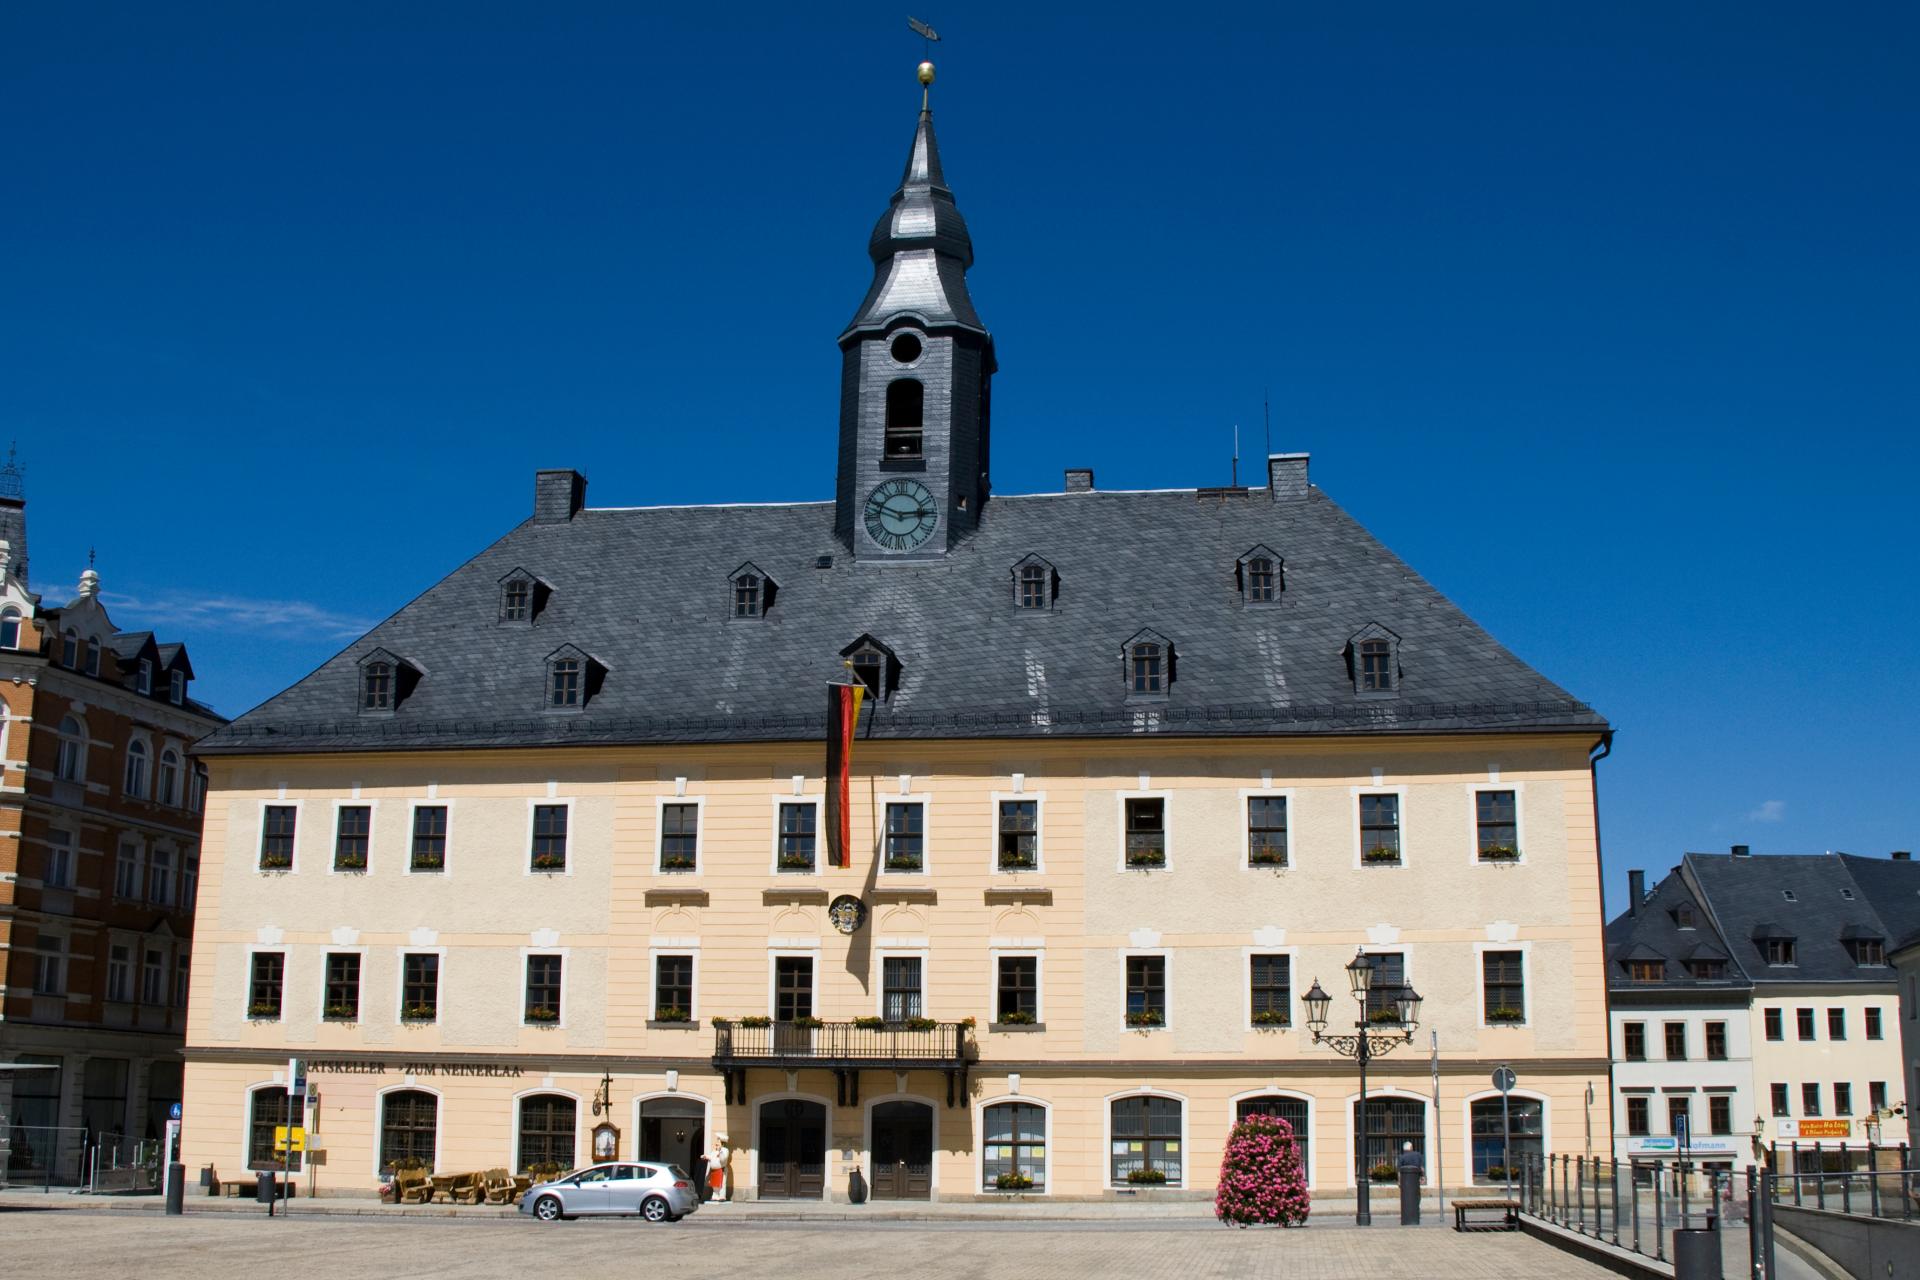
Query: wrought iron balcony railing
[838,1044]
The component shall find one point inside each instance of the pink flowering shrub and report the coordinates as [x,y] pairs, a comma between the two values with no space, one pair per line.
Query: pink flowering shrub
[1261,1180]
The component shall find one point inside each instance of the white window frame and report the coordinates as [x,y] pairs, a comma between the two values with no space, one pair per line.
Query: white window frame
[566,972]
[126,772]
[360,1014]
[700,850]
[1359,845]
[1166,954]
[80,748]
[1166,820]
[260,837]
[777,954]
[285,953]
[1298,1095]
[1474,789]
[408,1085]
[526,862]
[818,803]
[654,953]
[1546,1125]
[1246,834]
[178,799]
[406,846]
[1374,1092]
[1106,1134]
[297,1160]
[171,898]
[131,840]
[147,948]
[1039,799]
[373,825]
[59,857]
[144,684]
[925,801]
[1046,1107]
[581,1108]
[880,957]
[1293,978]
[1039,956]
[58,957]
[177,686]
[125,994]
[1526,984]
[400,954]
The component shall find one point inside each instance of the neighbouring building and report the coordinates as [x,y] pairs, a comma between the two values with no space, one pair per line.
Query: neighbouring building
[1136,768]
[99,859]
[1774,970]
[1893,886]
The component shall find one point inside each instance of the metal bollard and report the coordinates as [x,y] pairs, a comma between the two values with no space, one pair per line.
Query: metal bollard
[176,1189]
[1613,1185]
[1659,1223]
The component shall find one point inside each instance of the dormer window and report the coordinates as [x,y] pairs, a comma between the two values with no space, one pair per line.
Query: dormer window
[1373,660]
[573,677]
[1259,573]
[873,665]
[1683,916]
[385,681]
[144,682]
[1707,970]
[1646,970]
[1034,584]
[906,399]
[93,657]
[1148,659]
[376,686]
[1779,951]
[751,591]
[9,629]
[522,597]
[176,687]
[1867,953]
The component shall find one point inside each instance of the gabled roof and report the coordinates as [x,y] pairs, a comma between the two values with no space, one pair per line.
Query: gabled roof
[1652,934]
[174,657]
[1746,897]
[131,646]
[1893,890]
[975,669]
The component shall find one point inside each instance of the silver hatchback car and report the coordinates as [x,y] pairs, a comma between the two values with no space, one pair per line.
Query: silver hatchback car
[657,1192]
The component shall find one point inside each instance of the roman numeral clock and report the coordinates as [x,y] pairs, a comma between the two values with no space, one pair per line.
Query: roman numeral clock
[901,515]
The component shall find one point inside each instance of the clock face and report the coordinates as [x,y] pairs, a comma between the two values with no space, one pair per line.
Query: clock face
[901,514]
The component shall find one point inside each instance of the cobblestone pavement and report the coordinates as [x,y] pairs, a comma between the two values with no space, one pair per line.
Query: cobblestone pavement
[222,1247]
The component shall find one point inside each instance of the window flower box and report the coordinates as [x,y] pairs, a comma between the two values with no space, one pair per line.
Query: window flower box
[795,862]
[1146,1019]
[1017,1018]
[276,862]
[805,1023]
[756,1020]
[1147,1178]
[1018,862]
[341,1013]
[1146,859]
[919,1024]
[429,862]
[543,1015]
[1380,856]
[673,1013]
[549,862]
[905,862]
[418,1013]
[350,862]
[1505,1017]
[1382,1173]
[1270,1018]
[1500,853]
[871,1022]
[678,863]
[1495,1173]
[263,1011]
[1266,858]
[1384,1018]
[1013,1182]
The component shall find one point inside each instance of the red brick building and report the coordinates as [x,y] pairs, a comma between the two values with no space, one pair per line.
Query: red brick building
[100,807]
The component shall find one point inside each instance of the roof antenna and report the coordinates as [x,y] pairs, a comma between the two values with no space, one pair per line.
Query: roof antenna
[1236,456]
[927,37]
[1266,415]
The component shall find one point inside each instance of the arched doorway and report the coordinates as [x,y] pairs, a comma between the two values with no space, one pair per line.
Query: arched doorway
[673,1131]
[793,1149]
[902,1151]
[1283,1107]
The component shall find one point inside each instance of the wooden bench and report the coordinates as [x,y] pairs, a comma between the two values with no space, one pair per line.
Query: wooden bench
[1463,1211]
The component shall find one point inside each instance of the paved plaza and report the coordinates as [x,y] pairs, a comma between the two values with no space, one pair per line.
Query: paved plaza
[219,1246]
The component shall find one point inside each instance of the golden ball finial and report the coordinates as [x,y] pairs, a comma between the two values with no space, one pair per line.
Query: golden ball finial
[926,73]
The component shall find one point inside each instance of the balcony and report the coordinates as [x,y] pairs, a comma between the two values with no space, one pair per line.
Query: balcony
[845,1048]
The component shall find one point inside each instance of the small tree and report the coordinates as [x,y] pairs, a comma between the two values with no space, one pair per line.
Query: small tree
[1261,1180]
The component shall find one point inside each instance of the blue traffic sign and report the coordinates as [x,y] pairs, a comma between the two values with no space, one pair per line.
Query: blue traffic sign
[173,1112]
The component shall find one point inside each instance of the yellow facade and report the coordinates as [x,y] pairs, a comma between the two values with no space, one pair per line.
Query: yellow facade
[1081,912]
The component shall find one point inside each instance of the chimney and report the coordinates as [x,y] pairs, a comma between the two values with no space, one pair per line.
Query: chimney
[1903,855]
[1079,479]
[1636,891]
[558,496]
[1287,476]
[1741,851]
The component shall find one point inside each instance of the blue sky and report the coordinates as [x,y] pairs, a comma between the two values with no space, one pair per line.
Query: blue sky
[1602,316]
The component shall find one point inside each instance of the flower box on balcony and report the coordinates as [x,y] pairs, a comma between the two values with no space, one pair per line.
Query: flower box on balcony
[1499,853]
[756,1020]
[1146,1019]
[870,1023]
[1147,1178]
[1380,856]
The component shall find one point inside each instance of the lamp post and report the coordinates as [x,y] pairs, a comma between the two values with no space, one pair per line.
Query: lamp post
[1363,1047]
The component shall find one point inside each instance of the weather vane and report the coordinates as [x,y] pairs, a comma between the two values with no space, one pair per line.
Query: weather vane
[928,35]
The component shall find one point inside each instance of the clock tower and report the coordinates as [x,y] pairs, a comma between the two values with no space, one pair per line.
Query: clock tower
[915,368]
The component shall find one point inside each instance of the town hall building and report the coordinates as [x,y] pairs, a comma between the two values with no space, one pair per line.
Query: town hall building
[541,867]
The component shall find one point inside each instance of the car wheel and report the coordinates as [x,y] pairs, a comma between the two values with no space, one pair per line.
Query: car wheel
[547,1209]
[654,1209]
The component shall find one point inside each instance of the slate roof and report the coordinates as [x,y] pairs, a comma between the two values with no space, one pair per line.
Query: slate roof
[1652,934]
[645,591]
[1747,894]
[1893,890]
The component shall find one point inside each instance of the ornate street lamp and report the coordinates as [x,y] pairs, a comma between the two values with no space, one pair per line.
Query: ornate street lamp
[1363,1047]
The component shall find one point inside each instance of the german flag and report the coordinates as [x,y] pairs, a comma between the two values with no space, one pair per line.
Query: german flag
[843,716]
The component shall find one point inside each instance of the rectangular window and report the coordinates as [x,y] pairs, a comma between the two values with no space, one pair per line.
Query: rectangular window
[1146,991]
[1843,1099]
[1497,824]
[160,878]
[343,987]
[1868,953]
[792,988]
[1777,1100]
[1676,1041]
[1646,970]
[564,687]
[1877,1094]
[543,989]
[59,873]
[1380,829]
[265,984]
[1716,1042]
[1389,977]
[1873,1023]
[1774,1031]
[352,836]
[906,836]
[1680,1116]
[1014,1147]
[1503,987]
[276,837]
[1636,1041]
[1803,1023]
[419,987]
[516,601]
[797,839]
[1272,990]
[1780,951]
[153,978]
[119,973]
[182,966]
[1376,666]
[1146,831]
[1019,835]
[1809,1099]
[1267,831]
[429,838]
[680,837]
[1719,1113]
[190,881]
[1836,1024]
[1637,1122]
[50,968]
[126,872]
[673,988]
[900,996]
[550,837]
[1019,989]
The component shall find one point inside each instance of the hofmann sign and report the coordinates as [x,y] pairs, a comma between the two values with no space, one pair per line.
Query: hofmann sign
[1666,1146]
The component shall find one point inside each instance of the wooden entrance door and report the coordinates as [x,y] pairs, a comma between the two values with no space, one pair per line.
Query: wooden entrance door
[793,1150]
[902,1151]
